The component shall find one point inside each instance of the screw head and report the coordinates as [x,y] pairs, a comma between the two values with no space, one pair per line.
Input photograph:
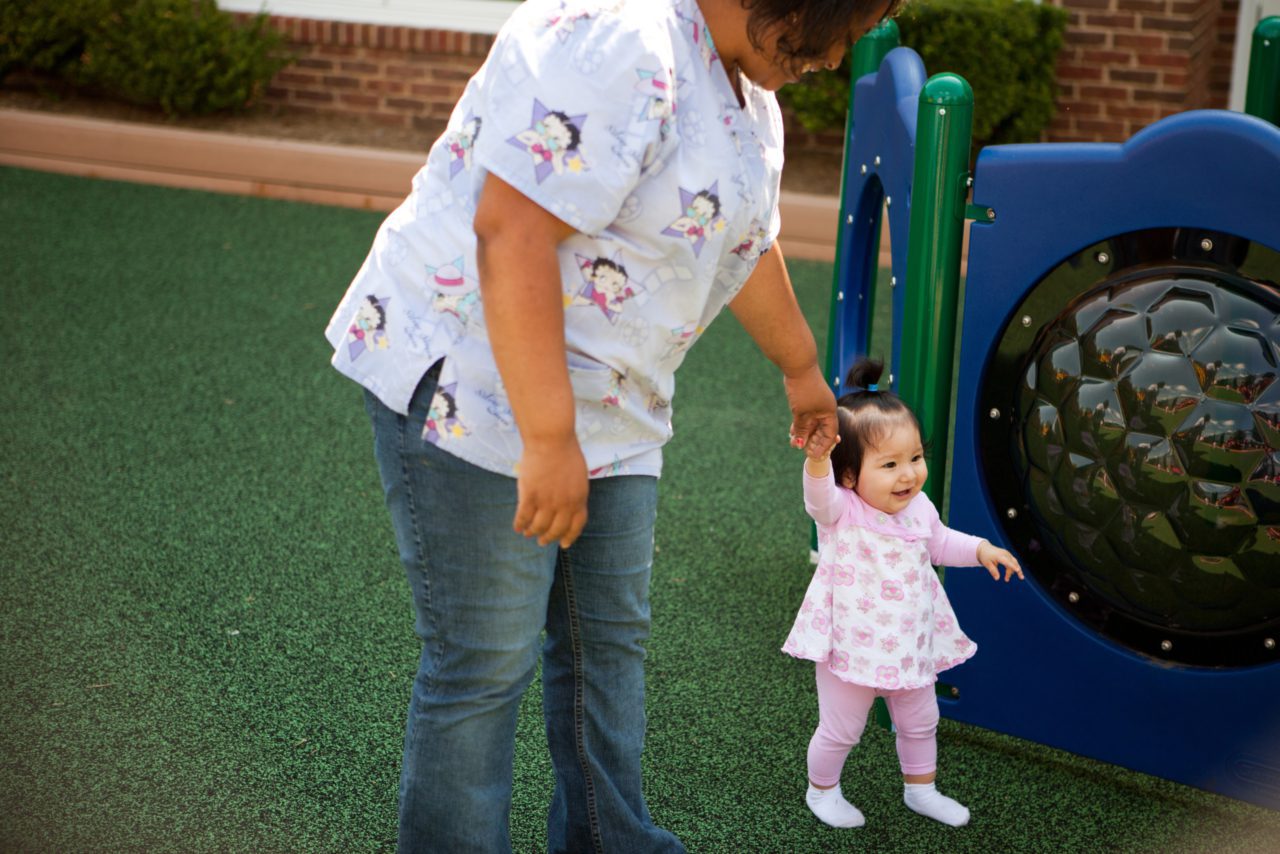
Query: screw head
[994,413]
[1073,597]
[1026,320]
[968,182]
[1011,513]
[991,214]
[942,111]
[955,692]
[888,200]
[1269,643]
[893,281]
[1206,244]
[849,219]
[864,169]
[1166,645]
[877,160]
[839,295]
[1102,257]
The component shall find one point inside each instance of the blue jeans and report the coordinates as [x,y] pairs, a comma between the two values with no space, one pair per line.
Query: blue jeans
[483,596]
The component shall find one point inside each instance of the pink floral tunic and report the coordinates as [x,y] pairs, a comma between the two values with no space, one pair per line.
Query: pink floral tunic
[875,611]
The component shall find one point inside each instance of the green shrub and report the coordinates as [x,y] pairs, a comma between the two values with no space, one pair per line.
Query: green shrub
[44,36]
[186,57]
[1006,49]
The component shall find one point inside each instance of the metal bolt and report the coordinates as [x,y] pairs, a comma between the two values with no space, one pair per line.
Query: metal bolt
[994,413]
[839,295]
[849,219]
[1103,257]
[1166,645]
[1012,513]
[1073,597]
[864,169]
[942,111]
[1206,244]
[890,380]
[991,214]
[955,692]
[968,182]
[893,281]
[1026,320]
[877,160]
[888,200]
[1269,643]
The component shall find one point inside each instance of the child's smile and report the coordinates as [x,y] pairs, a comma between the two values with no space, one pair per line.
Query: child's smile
[893,472]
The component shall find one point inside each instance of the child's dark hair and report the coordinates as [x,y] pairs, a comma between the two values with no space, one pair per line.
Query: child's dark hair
[867,413]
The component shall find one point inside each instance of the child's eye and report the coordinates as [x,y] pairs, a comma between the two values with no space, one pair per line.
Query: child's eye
[890,465]
[917,458]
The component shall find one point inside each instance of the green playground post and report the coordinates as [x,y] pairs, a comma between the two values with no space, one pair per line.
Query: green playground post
[944,134]
[868,52]
[1262,95]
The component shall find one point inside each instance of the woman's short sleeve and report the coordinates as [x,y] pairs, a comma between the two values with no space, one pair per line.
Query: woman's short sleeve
[566,107]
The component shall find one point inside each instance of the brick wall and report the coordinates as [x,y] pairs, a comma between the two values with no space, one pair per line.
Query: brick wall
[1125,64]
[394,76]
[1128,63]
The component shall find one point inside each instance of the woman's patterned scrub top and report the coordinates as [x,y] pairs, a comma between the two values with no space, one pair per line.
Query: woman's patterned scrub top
[618,118]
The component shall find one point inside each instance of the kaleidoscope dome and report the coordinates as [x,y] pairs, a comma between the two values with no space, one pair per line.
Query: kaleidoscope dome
[1141,445]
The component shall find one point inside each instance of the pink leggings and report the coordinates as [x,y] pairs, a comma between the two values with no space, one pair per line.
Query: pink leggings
[842,716]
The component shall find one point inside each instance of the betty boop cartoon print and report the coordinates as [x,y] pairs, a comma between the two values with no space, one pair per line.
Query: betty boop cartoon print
[442,416]
[702,38]
[701,217]
[605,285]
[457,293]
[552,142]
[748,248]
[368,330]
[462,143]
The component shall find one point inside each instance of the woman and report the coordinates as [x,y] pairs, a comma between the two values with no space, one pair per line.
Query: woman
[607,183]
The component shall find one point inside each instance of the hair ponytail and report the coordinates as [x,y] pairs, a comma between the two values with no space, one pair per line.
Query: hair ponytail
[866,414]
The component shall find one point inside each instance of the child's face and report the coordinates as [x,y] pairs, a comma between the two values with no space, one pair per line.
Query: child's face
[893,472]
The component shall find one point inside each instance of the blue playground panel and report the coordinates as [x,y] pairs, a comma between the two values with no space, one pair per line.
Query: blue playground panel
[1095,250]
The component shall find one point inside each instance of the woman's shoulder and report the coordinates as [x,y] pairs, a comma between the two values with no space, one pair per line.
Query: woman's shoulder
[620,23]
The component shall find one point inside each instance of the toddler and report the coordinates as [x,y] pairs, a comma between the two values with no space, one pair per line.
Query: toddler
[875,618]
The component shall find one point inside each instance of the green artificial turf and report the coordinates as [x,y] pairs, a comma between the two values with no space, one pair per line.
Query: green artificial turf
[207,642]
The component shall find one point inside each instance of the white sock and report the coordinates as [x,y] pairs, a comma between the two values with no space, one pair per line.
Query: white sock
[831,807]
[925,799]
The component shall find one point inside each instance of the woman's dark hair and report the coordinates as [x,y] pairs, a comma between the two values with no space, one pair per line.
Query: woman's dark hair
[866,414]
[809,28]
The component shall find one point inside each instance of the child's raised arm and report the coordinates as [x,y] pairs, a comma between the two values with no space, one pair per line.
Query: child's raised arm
[822,500]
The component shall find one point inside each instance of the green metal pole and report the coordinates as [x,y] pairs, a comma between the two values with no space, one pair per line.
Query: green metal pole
[944,133]
[1262,97]
[868,52]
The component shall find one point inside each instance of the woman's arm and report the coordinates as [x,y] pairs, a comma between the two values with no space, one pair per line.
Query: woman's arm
[766,307]
[516,242]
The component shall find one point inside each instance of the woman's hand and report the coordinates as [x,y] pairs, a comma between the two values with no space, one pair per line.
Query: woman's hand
[991,556]
[552,489]
[814,427]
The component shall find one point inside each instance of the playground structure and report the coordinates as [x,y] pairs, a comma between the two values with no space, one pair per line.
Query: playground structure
[1116,401]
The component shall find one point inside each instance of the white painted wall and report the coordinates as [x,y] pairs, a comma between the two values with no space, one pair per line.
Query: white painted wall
[468,16]
[1251,12]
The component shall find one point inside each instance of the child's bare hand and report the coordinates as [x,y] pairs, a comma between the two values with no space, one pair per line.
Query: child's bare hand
[814,454]
[991,557]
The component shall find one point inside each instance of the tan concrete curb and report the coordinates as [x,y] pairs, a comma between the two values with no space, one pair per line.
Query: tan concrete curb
[350,176]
